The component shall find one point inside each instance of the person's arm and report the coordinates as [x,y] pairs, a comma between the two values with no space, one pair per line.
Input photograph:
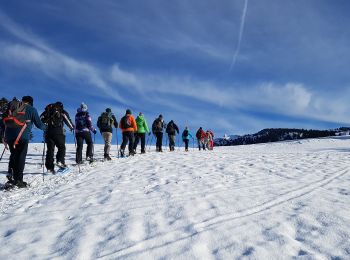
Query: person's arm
[134,123]
[67,120]
[145,125]
[177,129]
[35,118]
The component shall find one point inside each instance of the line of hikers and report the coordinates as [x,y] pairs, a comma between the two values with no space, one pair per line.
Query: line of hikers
[18,117]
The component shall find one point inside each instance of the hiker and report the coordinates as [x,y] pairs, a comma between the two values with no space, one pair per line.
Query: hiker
[200,135]
[105,124]
[128,126]
[83,126]
[3,107]
[142,129]
[55,117]
[210,140]
[171,130]
[19,119]
[186,134]
[157,129]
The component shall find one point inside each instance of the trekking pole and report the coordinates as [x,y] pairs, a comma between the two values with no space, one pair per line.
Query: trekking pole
[93,147]
[116,132]
[75,142]
[178,142]
[43,160]
[3,153]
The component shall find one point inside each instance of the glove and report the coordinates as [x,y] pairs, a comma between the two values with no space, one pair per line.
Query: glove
[94,131]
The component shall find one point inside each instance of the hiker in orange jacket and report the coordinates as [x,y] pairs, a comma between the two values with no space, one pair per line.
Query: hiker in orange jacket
[128,126]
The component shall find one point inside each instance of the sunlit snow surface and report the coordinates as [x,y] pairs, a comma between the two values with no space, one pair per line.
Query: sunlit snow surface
[270,201]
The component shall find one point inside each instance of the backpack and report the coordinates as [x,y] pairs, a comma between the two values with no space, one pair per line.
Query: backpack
[80,121]
[157,125]
[15,115]
[126,122]
[105,121]
[53,116]
[185,133]
[171,128]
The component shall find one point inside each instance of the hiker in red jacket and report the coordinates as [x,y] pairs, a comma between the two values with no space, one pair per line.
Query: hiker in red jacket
[200,135]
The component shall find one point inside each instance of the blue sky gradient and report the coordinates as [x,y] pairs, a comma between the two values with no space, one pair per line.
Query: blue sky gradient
[176,58]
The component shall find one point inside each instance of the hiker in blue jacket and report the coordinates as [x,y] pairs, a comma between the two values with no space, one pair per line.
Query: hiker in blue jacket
[17,137]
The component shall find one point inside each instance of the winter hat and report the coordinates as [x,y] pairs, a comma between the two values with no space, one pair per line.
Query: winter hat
[83,107]
[28,99]
[60,104]
[128,111]
[160,116]
[140,114]
[108,110]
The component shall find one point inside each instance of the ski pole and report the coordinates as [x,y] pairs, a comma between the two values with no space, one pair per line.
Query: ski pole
[116,132]
[93,147]
[75,142]
[193,143]
[43,160]
[3,153]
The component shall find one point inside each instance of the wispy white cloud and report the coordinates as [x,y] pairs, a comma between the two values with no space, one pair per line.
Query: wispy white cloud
[241,28]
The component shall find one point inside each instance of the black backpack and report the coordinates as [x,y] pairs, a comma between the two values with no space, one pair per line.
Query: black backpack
[53,115]
[185,133]
[126,122]
[15,114]
[105,121]
[157,125]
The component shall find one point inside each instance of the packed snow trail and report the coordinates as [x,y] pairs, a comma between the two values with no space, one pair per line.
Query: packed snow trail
[270,201]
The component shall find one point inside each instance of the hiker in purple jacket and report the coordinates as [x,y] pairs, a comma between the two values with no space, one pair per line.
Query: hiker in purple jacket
[83,129]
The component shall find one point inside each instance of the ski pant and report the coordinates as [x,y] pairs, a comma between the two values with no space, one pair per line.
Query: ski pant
[171,142]
[159,142]
[107,137]
[186,144]
[142,137]
[10,167]
[201,144]
[128,137]
[81,137]
[52,140]
[18,155]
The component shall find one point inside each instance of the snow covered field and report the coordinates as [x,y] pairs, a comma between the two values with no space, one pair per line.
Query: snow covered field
[270,201]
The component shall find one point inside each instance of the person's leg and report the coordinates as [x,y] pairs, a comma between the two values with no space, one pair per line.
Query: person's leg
[172,142]
[19,159]
[107,137]
[60,141]
[89,143]
[124,143]
[143,142]
[137,137]
[49,161]
[79,153]
[131,143]
[186,144]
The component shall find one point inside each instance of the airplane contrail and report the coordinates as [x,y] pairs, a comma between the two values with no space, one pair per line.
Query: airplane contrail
[234,58]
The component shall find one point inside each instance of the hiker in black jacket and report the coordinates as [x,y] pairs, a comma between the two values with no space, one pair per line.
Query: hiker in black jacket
[105,123]
[157,129]
[55,117]
[171,130]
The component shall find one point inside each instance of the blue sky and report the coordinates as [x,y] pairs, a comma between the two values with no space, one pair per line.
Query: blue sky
[233,66]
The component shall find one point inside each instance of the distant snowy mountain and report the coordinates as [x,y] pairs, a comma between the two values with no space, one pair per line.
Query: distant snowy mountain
[277,134]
